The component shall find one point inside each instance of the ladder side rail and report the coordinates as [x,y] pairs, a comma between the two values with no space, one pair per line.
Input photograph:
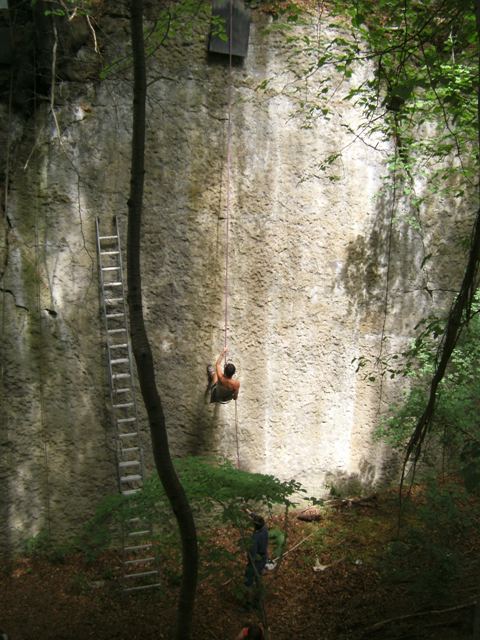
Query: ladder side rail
[134,412]
[104,308]
[129,346]
[108,344]
[124,412]
[102,280]
[124,304]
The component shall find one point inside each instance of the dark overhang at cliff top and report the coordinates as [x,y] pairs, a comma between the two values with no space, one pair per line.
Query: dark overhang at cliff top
[222,11]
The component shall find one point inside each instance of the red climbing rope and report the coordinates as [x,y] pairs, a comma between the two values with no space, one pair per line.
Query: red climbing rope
[228,177]
[229,203]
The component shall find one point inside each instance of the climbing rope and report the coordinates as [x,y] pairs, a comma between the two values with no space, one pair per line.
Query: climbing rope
[228,176]
[236,435]
[229,205]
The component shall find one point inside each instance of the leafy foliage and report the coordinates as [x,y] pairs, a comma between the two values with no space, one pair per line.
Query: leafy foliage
[433,546]
[455,429]
[418,89]
[175,20]
[67,8]
[219,495]
[222,483]
[42,546]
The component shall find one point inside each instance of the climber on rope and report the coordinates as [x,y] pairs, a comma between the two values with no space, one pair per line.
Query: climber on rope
[221,385]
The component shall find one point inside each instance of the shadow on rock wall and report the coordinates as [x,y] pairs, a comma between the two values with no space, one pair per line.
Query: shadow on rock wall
[204,428]
[344,484]
[368,479]
[364,269]
[385,264]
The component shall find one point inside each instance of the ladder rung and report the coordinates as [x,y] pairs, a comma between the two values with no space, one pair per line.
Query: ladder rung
[110,253]
[145,586]
[130,492]
[112,284]
[139,547]
[130,449]
[126,420]
[129,463]
[124,390]
[140,560]
[123,406]
[115,315]
[119,360]
[116,330]
[130,478]
[143,532]
[118,346]
[113,300]
[110,268]
[142,574]
[117,376]
[108,237]
[132,434]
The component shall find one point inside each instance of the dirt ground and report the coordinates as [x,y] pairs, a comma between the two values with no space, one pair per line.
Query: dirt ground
[348,600]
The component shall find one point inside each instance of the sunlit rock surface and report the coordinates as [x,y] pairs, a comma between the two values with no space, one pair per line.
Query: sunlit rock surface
[318,275]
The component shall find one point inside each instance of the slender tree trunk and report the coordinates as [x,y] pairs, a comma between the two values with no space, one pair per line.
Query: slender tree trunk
[141,347]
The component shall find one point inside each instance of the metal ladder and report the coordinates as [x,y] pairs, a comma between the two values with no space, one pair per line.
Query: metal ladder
[139,562]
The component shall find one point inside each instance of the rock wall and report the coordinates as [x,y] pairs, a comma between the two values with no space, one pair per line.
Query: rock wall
[318,273]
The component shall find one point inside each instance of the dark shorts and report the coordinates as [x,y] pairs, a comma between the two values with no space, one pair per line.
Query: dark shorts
[215,396]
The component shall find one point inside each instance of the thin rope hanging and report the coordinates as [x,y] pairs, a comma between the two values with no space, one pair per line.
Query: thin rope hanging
[237,440]
[229,205]
[228,177]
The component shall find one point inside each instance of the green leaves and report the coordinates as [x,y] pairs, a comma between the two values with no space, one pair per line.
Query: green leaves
[425,60]
[220,482]
[435,541]
[217,491]
[218,494]
[358,19]
[455,431]
[470,465]
[218,28]
[55,12]
[67,8]
[173,21]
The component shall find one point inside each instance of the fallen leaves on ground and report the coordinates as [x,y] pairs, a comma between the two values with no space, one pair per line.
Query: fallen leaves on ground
[347,600]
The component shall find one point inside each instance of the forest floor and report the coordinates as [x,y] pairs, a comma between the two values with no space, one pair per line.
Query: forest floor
[353,598]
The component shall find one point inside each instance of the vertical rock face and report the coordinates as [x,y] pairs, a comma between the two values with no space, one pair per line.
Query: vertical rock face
[317,275]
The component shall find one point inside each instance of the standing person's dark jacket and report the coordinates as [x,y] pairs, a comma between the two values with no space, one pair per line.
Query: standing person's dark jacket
[257,553]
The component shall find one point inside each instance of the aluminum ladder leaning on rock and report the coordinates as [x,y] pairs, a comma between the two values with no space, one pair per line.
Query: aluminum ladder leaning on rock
[139,562]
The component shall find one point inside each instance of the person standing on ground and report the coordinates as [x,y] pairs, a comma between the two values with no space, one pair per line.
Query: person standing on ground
[256,560]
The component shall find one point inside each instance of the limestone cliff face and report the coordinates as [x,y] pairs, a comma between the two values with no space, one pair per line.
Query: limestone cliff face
[317,274]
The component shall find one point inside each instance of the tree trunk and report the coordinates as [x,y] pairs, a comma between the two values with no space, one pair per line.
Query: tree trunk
[140,344]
